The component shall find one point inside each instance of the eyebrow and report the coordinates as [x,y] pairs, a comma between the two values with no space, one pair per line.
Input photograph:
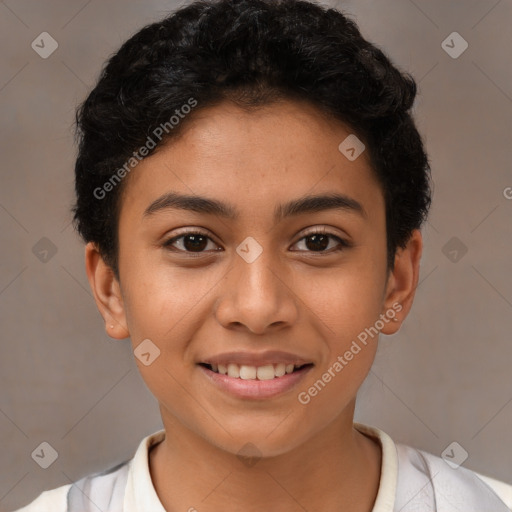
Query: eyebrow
[302,205]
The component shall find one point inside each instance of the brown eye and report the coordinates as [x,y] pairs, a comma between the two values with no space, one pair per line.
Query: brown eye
[193,241]
[319,241]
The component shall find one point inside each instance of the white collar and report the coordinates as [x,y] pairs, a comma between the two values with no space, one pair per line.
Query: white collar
[385,500]
[410,479]
[141,494]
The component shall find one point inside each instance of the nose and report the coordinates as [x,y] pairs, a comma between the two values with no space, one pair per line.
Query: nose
[257,296]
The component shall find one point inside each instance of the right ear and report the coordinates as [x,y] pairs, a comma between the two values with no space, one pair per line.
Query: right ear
[107,293]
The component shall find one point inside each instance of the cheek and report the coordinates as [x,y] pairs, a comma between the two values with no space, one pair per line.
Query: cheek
[161,303]
[160,306]
[347,306]
[347,299]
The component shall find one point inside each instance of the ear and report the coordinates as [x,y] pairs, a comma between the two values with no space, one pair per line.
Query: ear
[107,293]
[402,282]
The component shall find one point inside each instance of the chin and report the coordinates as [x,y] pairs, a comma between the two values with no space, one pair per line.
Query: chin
[257,444]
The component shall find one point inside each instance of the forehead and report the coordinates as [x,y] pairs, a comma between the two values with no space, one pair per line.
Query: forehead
[251,159]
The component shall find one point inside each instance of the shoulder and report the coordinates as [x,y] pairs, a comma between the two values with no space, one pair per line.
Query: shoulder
[413,480]
[111,490]
[104,489]
[427,478]
[54,500]
[502,489]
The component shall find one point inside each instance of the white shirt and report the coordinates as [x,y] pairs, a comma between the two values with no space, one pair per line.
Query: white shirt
[411,481]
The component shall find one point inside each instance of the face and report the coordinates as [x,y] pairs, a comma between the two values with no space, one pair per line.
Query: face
[257,282]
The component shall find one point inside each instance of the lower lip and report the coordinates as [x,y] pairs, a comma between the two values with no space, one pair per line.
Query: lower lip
[256,389]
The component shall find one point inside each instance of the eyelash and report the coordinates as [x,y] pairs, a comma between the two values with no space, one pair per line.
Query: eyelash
[319,231]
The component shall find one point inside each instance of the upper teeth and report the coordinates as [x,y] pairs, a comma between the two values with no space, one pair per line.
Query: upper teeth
[246,372]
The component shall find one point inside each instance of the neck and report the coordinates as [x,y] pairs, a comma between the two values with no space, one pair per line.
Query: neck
[337,469]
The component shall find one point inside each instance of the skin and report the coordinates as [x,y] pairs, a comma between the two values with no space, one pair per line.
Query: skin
[292,298]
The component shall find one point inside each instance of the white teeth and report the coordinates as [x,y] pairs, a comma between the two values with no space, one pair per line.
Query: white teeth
[280,369]
[265,372]
[233,370]
[247,372]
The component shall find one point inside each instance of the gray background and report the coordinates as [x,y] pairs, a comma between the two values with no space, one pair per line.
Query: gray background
[444,377]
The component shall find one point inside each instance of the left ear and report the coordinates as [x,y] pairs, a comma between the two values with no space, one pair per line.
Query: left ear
[402,282]
[107,293]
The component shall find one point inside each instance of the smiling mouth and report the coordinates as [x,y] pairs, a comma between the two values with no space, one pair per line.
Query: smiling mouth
[247,372]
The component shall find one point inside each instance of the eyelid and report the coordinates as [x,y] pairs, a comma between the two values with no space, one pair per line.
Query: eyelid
[321,230]
[192,231]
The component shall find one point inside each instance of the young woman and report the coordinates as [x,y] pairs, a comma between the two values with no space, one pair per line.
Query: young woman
[251,187]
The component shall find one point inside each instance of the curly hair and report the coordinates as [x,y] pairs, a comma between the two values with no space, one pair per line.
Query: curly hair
[254,53]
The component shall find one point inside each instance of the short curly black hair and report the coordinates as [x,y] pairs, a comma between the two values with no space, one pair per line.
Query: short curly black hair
[254,53]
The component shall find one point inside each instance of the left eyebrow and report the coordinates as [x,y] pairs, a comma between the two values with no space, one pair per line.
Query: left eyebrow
[303,205]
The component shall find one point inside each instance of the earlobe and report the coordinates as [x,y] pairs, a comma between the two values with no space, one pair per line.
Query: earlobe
[107,293]
[402,282]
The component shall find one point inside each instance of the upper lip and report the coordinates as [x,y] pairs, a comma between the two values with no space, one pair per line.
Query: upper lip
[256,358]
